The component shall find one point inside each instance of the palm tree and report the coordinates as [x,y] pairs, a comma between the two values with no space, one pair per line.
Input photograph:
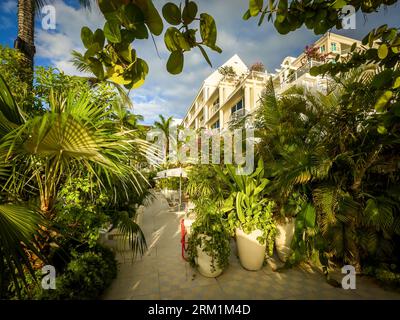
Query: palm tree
[124,118]
[164,125]
[25,41]
[328,149]
[38,153]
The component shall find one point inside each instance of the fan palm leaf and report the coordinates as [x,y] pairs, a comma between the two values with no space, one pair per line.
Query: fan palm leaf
[19,229]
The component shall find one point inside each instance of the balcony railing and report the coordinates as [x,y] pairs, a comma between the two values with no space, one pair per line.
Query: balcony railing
[303,70]
[214,109]
[237,115]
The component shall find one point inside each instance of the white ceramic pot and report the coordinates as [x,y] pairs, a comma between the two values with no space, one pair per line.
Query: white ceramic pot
[188,225]
[204,262]
[251,251]
[284,237]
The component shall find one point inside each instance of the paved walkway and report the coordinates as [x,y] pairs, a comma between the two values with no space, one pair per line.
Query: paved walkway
[163,274]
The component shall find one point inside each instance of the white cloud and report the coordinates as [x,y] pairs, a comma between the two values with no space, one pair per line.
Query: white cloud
[9,6]
[163,93]
[57,45]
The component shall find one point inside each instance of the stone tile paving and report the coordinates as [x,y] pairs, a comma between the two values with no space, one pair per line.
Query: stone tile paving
[162,274]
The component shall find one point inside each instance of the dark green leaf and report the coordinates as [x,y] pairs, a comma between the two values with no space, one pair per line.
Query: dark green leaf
[152,17]
[208,30]
[107,6]
[96,67]
[172,13]
[189,12]
[383,101]
[112,31]
[175,62]
[98,38]
[255,6]
[204,53]
[339,4]
[309,216]
[87,37]
[383,51]
[382,79]
[247,15]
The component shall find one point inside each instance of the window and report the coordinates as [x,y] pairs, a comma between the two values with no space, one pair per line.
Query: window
[215,125]
[216,102]
[322,48]
[333,47]
[238,106]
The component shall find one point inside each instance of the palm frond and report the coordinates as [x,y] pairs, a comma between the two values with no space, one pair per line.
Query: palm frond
[79,62]
[18,228]
[132,233]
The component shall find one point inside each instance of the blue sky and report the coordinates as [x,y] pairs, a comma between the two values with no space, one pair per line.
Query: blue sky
[164,93]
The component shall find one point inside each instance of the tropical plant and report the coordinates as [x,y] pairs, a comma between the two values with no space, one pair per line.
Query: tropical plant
[227,71]
[126,22]
[11,69]
[39,153]
[204,182]
[313,53]
[85,277]
[164,125]
[257,66]
[116,60]
[247,207]
[209,232]
[25,41]
[171,183]
[327,149]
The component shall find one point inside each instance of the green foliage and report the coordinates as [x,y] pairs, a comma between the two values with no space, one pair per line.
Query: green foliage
[86,277]
[209,231]
[171,183]
[203,182]
[227,71]
[319,16]
[305,232]
[246,206]
[14,73]
[116,60]
[326,149]
[80,210]
[74,137]
[381,48]
[19,230]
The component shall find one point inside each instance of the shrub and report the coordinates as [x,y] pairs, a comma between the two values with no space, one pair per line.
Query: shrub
[171,183]
[257,66]
[86,277]
[210,233]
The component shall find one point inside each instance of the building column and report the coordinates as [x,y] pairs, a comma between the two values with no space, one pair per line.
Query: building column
[221,95]
[246,99]
[254,96]
[221,119]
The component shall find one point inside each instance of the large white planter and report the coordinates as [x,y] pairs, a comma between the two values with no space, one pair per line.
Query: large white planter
[251,251]
[284,237]
[187,222]
[204,262]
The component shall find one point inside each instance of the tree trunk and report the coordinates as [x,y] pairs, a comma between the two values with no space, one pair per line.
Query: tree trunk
[25,40]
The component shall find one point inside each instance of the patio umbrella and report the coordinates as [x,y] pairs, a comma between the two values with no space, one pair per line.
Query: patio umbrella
[175,172]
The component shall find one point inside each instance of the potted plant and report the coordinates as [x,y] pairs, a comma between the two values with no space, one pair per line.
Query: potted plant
[209,247]
[250,216]
[285,225]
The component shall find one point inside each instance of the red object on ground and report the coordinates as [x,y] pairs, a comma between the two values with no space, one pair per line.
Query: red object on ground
[183,239]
